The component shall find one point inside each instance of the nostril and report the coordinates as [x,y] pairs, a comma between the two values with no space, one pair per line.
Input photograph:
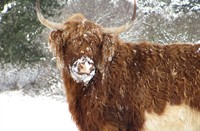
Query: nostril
[81,66]
[92,68]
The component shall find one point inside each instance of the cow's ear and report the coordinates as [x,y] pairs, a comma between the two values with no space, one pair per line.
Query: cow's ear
[108,50]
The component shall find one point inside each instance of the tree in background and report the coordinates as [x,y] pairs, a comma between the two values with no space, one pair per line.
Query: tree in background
[169,21]
[185,6]
[23,49]
[20,32]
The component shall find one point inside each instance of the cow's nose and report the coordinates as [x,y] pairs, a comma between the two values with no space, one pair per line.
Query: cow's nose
[85,68]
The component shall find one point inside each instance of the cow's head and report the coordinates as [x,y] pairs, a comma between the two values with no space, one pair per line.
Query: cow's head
[82,46]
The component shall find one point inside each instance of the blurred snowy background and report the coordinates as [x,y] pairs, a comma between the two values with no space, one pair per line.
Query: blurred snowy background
[31,91]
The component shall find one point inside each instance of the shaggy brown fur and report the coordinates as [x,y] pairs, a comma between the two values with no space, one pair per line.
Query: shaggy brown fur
[131,78]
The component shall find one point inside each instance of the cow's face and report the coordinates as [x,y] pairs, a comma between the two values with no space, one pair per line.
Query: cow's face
[80,45]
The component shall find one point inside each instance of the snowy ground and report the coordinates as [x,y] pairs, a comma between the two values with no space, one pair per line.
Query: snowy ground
[20,112]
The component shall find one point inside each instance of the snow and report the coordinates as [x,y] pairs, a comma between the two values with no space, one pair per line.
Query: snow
[198,51]
[7,6]
[24,113]
[15,77]
[195,8]
[85,78]
[197,42]
[180,2]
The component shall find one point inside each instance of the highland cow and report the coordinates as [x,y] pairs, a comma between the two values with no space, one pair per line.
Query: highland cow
[120,86]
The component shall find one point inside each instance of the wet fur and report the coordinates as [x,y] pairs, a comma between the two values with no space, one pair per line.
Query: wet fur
[131,81]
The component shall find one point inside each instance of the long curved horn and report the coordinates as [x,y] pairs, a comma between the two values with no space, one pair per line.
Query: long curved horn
[123,28]
[45,22]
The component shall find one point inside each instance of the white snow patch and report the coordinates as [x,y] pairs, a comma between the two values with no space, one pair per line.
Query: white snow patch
[197,7]
[110,58]
[197,42]
[85,78]
[111,54]
[198,51]
[7,6]
[24,113]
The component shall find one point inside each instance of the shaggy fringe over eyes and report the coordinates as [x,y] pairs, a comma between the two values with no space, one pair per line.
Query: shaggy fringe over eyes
[77,32]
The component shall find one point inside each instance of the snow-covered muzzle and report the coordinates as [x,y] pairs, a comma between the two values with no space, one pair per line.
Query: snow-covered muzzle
[82,70]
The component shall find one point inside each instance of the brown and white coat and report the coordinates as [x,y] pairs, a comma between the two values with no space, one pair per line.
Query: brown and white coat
[119,86]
